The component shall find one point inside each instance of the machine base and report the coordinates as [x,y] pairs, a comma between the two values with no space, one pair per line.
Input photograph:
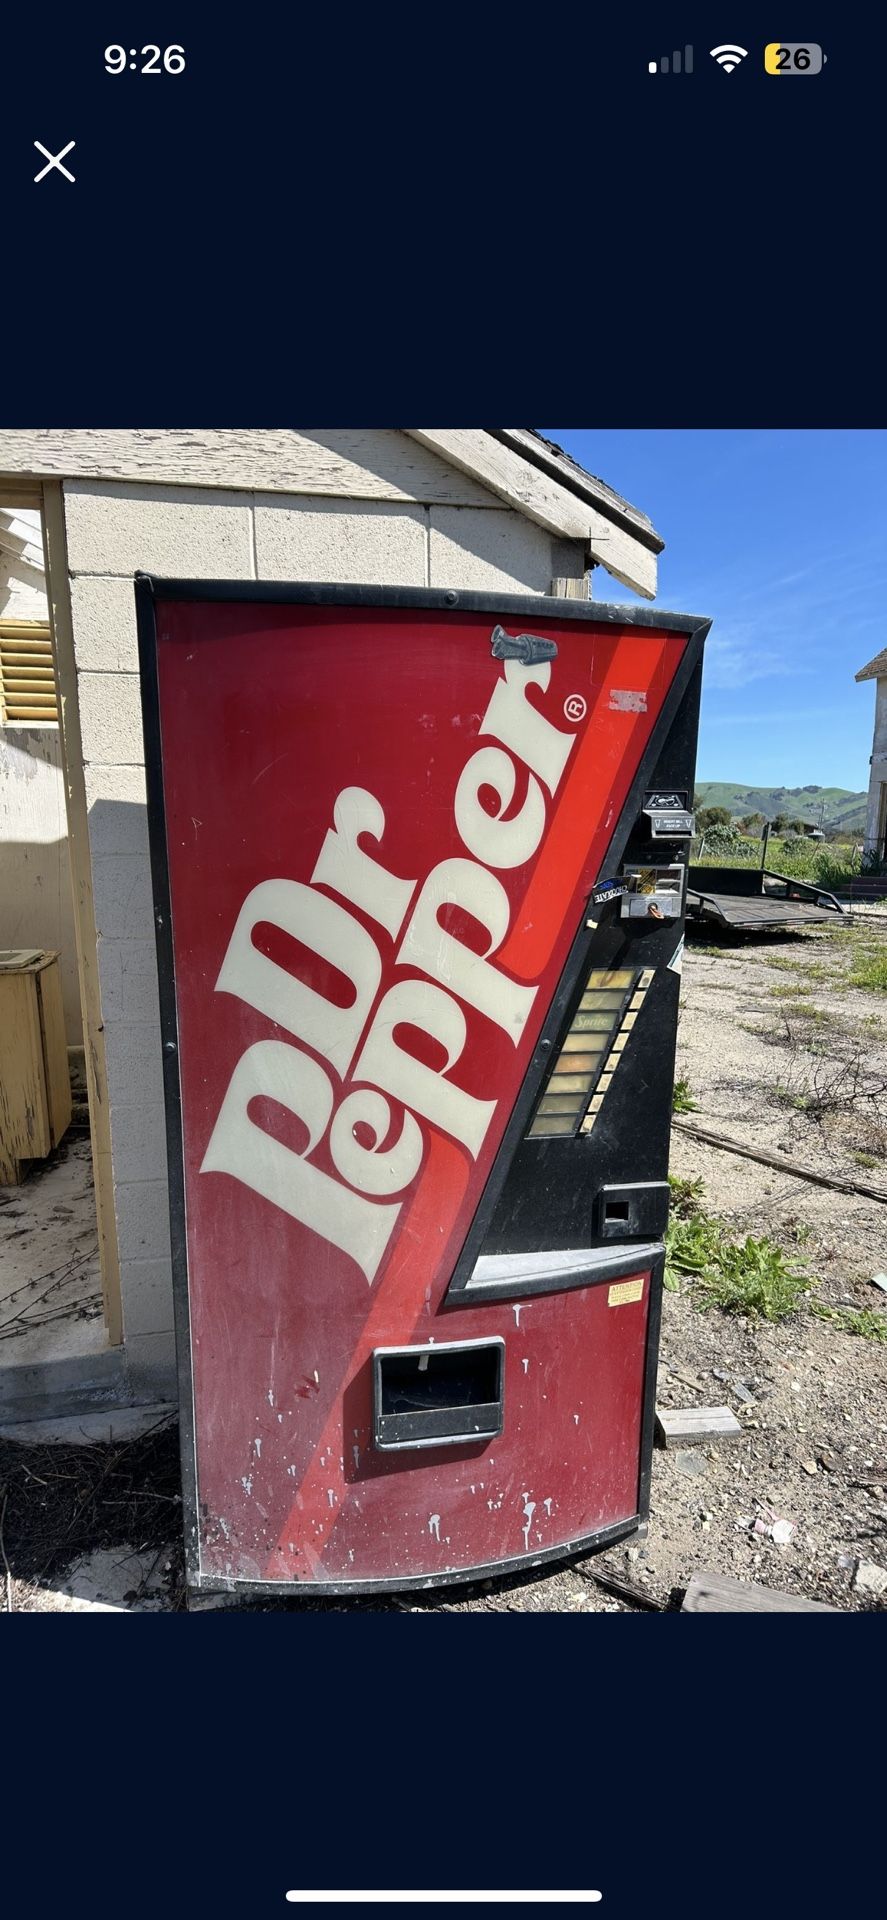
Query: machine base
[420,1583]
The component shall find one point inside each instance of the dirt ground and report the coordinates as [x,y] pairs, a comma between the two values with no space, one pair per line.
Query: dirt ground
[780,1051]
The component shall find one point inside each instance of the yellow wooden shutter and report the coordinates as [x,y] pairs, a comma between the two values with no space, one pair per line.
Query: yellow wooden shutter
[27,675]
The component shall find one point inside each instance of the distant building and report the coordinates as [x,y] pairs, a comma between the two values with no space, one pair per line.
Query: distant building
[876,817]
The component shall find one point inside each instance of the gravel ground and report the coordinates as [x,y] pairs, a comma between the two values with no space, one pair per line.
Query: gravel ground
[802,1072]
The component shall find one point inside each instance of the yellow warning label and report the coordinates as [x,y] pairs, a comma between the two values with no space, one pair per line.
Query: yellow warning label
[627,1290]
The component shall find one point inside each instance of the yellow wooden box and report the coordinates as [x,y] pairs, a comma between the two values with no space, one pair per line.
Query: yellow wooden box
[35,1085]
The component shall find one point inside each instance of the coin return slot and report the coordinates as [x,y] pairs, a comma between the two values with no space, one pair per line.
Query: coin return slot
[438,1396]
[616,1210]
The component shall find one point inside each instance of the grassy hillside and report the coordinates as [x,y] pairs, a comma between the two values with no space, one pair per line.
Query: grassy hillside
[838,807]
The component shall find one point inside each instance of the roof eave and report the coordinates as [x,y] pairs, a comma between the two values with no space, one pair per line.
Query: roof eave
[612,534]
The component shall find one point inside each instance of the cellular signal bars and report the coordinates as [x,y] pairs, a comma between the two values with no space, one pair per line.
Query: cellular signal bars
[678,63]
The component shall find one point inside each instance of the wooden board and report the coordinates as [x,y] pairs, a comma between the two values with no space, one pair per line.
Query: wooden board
[341,463]
[24,1117]
[716,1593]
[692,1426]
[779,1160]
[55,1046]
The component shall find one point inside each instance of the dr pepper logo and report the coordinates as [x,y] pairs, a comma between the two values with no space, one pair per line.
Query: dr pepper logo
[356,1207]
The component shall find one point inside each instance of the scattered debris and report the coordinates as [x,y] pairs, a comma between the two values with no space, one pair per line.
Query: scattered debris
[867,1578]
[690,1463]
[742,1394]
[693,1426]
[623,1589]
[717,1593]
[687,1379]
[772,1527]
[809,1466]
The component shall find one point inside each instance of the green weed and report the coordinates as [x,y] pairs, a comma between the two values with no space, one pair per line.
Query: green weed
[752,1279]
[682,1098]
[685,1196]
[789,1098]
[870,970]
[862,1321]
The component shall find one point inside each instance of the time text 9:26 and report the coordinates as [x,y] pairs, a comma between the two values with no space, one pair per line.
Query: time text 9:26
[145,60]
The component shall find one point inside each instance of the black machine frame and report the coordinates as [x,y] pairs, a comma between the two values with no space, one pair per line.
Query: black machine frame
[151,589]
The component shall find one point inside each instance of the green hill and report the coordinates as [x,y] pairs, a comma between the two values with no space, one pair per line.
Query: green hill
[834,808]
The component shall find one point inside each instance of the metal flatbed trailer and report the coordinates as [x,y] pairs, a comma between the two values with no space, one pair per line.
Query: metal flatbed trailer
[750,898]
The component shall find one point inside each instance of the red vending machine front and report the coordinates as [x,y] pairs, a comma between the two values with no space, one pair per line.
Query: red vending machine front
[419,865]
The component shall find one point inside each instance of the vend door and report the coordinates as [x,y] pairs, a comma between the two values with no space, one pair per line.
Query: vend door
[419,869]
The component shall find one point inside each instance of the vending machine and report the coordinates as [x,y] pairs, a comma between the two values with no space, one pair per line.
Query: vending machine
[419,868]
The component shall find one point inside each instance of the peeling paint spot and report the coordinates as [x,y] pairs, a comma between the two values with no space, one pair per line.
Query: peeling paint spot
[258,1448]
[330,1494]
[576,1419]
[434,1526]
[529,1510]
[270,1396]
[526,1365]
[247,1483]
[516,1310]
[547,1504]
[625,700]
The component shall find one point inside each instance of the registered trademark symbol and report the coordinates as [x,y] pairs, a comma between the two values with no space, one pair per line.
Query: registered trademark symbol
[575,707]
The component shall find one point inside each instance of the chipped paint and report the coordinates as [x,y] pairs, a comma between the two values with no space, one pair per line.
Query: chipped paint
[434,1526]
[517,1311]
[529,1510]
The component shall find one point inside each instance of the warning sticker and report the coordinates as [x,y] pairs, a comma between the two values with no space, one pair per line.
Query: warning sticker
[619,1296]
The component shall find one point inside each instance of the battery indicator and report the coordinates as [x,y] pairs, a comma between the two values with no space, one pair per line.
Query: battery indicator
[785,57]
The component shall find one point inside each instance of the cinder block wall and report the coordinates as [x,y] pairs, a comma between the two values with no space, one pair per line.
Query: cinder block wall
[438,528]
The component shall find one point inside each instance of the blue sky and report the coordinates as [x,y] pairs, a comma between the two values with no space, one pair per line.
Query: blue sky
[781,537]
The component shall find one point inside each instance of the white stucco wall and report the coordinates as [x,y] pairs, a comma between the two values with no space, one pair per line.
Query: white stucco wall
[451,532]
[36,903]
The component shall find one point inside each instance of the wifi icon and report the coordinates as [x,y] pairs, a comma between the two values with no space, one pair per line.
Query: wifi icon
[728,57]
